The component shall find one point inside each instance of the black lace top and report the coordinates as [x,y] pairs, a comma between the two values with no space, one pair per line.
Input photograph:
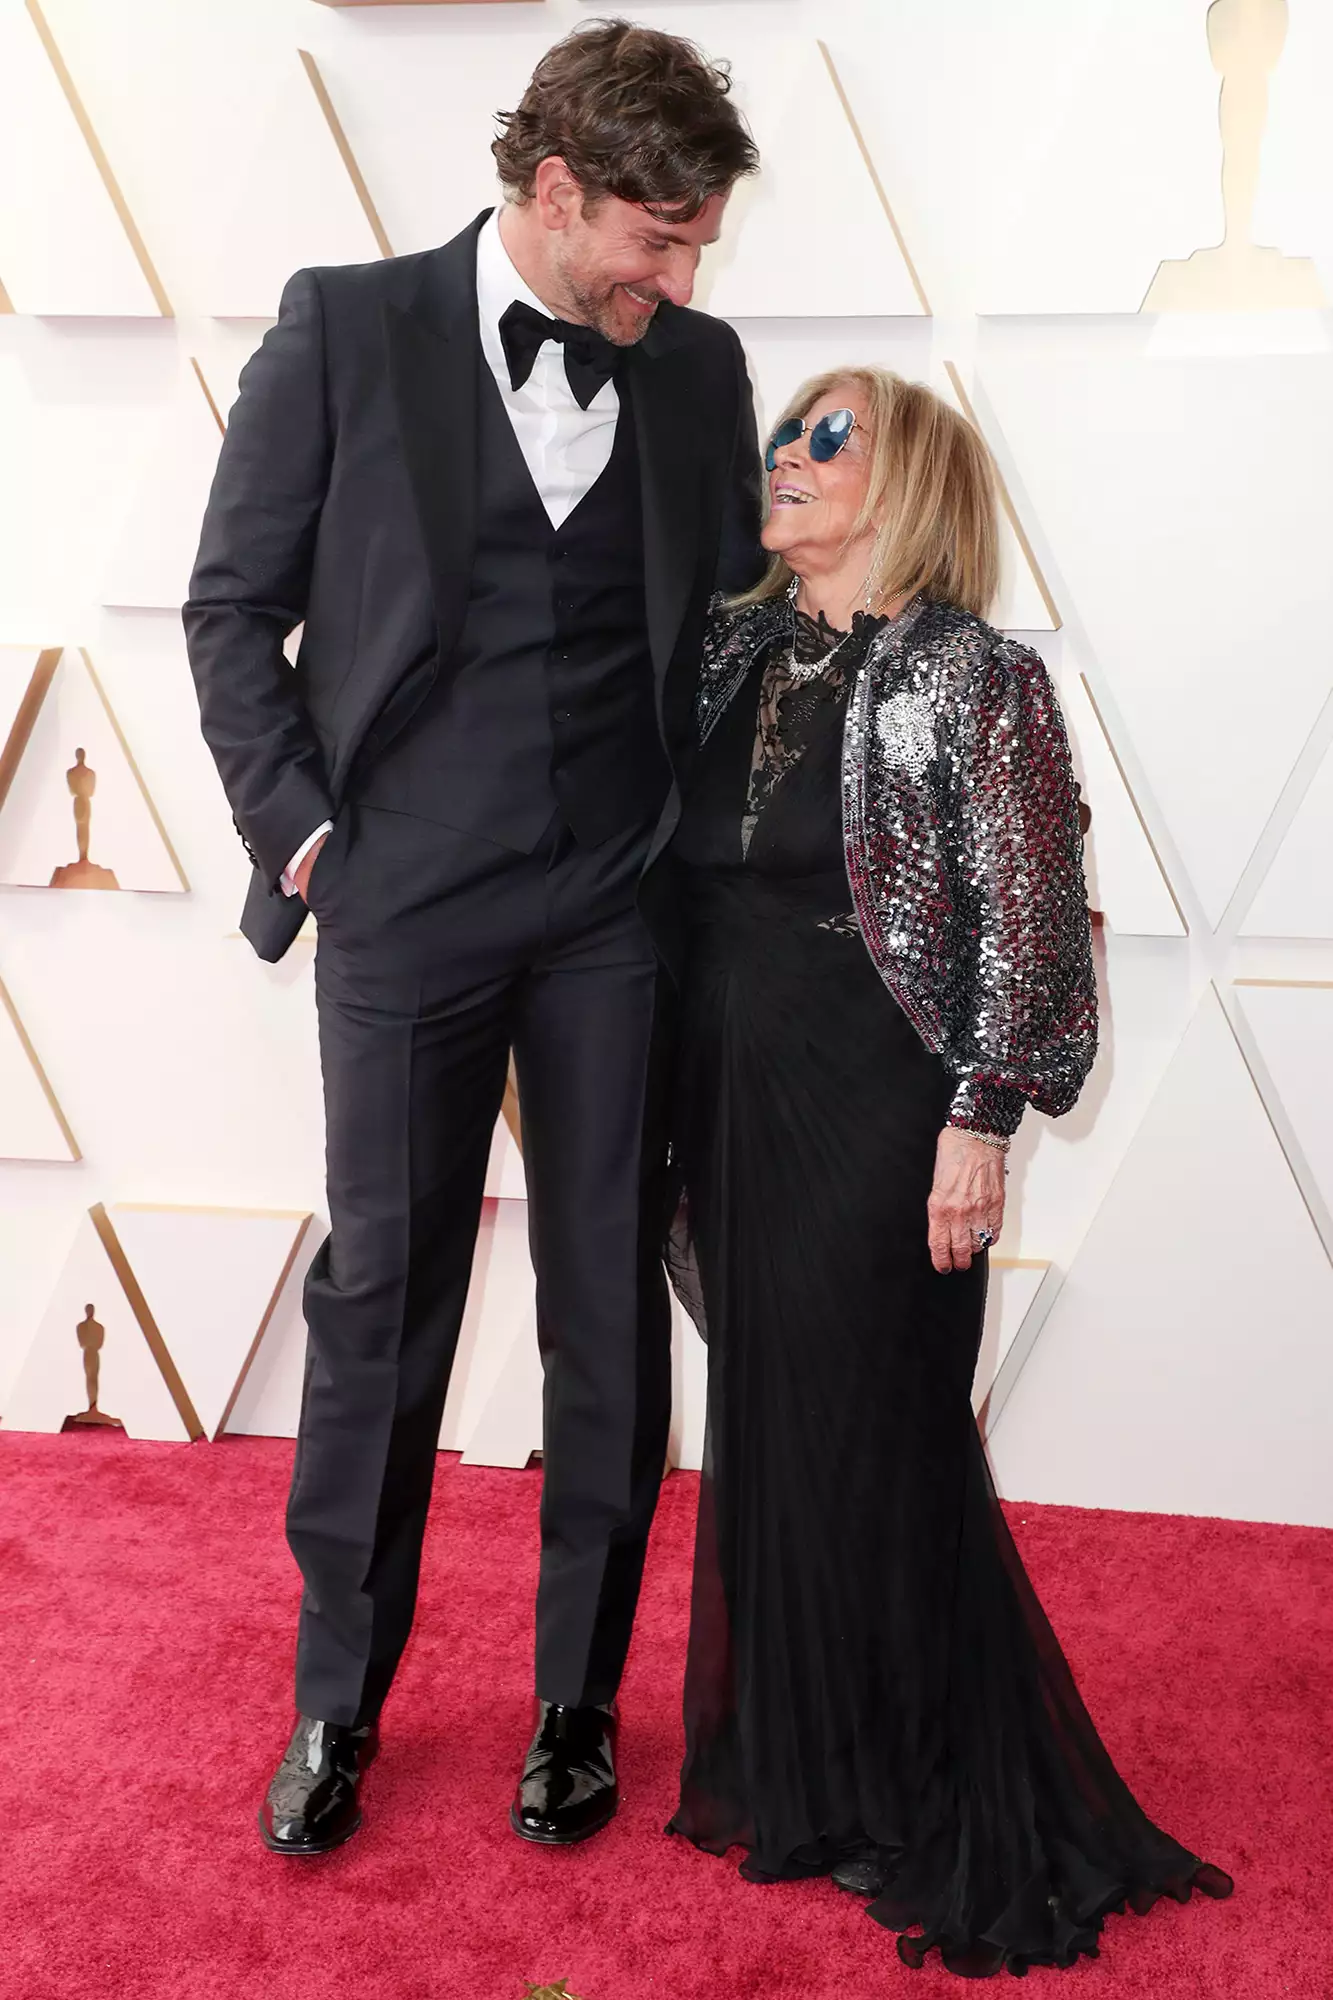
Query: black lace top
[780,739]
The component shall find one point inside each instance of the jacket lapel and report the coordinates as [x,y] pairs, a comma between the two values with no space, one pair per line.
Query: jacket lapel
[433,355]
[671,461]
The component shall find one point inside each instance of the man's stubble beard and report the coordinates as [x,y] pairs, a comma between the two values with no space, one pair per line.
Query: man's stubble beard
[595,306]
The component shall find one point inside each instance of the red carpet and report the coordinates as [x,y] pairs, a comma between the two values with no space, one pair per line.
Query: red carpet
[147,1618]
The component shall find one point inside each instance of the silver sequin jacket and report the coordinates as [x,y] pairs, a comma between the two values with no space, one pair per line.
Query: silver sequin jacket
[963,852]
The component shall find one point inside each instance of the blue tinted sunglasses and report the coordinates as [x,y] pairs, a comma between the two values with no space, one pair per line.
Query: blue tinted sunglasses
[827,437]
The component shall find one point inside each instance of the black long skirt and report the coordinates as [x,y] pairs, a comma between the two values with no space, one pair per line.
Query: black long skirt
[870,1673]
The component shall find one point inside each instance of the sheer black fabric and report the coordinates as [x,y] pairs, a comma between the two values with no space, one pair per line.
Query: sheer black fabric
[870,1674]
[766,733]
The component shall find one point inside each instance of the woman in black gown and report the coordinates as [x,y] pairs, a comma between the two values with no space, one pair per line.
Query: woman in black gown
[890,958]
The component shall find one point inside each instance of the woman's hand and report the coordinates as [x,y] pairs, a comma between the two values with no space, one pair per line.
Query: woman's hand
[968,1196]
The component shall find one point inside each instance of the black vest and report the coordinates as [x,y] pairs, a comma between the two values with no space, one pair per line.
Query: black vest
[547,705]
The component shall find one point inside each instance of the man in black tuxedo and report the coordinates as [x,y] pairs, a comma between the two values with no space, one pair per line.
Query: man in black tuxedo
[498,483]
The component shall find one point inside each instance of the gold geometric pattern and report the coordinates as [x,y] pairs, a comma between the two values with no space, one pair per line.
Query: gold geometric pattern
[1129,794]
[182,1251]
[1008,508]
[139,1305]
[29,1097]
[513,1118]
[98,1305]
[25,717]
[29,857]
[257,1006]
[1307,985]
[1020,1294]
[100,160]
[345,153]
[815,158]
[1186,1381]
[198,1285]
[878,186]
[216,413]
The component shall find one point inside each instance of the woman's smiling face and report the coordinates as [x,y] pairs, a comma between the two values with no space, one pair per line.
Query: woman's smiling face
[814,508]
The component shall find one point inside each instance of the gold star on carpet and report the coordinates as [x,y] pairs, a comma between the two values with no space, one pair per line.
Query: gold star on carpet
[558,1990]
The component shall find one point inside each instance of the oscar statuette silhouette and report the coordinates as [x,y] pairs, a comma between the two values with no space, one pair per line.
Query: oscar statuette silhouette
[91,1334]
[83,873]
[1245,39]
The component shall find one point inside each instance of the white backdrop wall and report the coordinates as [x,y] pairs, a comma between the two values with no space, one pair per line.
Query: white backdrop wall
[1163,1329]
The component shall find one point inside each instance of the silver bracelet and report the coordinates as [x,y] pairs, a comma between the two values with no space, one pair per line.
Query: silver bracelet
[996,1139]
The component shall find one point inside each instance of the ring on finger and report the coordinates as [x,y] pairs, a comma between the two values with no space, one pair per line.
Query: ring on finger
[985,1237]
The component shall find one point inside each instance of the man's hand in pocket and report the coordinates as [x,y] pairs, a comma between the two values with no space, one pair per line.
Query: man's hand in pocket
[302,876]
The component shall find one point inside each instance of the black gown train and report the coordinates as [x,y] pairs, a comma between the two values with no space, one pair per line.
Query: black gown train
[870,1673]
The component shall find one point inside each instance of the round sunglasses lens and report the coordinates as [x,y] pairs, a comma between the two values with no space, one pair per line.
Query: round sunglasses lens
[830,434]
[785,434]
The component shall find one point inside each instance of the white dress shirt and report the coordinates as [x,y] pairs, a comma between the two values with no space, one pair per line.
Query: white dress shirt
[566,449]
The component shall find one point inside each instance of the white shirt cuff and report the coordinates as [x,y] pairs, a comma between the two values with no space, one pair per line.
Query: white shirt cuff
[287,880]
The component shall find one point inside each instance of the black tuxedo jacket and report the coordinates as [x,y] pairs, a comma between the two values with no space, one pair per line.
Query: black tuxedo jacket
[345,499]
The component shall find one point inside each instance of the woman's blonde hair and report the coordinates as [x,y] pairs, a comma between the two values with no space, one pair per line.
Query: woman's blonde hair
[930,498]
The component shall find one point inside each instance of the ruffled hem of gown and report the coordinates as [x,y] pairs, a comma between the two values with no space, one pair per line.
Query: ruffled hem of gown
[1037,1927]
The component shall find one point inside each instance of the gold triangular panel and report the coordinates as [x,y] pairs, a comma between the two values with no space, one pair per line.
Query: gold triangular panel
[32,1124]
[26,673]
[76,814]
[209,398]
[291,197]
[71,246]
[1127,885]
[1019,1295]
[1185,1365]
[1025,602]
[815,164]
[212,1277]
[345,153]
[98,1360]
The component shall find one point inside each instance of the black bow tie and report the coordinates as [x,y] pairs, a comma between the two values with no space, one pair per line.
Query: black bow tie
[590,360]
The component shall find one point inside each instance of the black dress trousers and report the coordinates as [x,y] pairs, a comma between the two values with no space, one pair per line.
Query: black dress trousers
[438,951]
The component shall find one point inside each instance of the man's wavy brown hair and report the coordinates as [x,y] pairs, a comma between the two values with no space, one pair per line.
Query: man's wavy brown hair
[633,113]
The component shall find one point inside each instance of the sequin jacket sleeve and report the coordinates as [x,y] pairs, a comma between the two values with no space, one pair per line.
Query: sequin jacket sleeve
[1026,1028]
[960,826]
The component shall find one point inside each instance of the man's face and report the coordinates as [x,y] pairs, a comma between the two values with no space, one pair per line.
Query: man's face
[616,265]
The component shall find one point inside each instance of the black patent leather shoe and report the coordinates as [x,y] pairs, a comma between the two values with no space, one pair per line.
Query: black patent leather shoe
[861,1875]
[312,1804]
[568,1789]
